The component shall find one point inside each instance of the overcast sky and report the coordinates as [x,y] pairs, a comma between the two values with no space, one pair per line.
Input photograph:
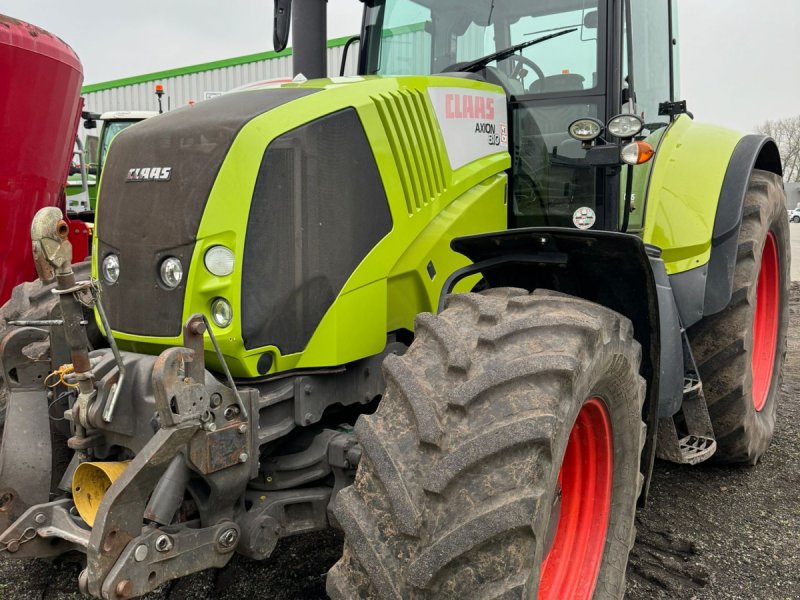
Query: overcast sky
[740,59]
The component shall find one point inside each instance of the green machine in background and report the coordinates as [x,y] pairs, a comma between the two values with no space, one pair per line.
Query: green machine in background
[82,201]
[453,306]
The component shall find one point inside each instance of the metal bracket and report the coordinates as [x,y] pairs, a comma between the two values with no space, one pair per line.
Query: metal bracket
[121,517]
[696,442]
[158,556]
[673,109]
[270,519]
[212,451]
[53,526]
[179,397]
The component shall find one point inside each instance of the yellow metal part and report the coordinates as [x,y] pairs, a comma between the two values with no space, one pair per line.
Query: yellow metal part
[683,194]
[90,483]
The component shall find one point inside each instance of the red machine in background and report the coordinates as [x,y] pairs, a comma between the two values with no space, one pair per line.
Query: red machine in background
[40,107]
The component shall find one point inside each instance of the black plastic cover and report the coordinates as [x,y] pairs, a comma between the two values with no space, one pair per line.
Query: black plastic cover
[318,208]
[752,152]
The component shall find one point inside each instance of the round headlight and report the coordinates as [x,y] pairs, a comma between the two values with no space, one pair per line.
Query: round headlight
[111,268]
[219,261]
[171,272]
[625,126]
[586,130]
[221,312]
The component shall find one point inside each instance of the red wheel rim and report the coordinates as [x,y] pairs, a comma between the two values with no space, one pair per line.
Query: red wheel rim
[572,564]
[765,322]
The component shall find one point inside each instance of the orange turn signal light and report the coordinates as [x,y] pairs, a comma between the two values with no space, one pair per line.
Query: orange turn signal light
[646,152]
[637,153]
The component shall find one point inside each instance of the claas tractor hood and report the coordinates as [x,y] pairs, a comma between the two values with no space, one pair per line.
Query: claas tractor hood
[155,188]
[315,192]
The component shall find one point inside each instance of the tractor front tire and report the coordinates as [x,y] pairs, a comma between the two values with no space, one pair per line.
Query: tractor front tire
[503,460]
[740,351]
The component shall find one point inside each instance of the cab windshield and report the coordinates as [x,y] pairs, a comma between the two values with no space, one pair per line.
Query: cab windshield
[112,128]
[422,37]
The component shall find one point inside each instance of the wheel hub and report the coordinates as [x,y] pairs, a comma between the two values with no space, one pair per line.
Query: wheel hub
[765,322]
[572,564]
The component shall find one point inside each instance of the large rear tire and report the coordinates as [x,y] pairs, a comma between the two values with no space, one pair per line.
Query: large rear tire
[34,301]
[740,351]
[503,460]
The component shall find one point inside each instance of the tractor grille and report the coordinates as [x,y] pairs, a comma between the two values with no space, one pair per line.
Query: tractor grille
[318,208]
[150,218]
[413,139]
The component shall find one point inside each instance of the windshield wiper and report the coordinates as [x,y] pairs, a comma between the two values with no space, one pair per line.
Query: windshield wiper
[477,65]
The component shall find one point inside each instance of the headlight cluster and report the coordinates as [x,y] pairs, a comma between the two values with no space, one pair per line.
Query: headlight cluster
[624,127]
[218,260]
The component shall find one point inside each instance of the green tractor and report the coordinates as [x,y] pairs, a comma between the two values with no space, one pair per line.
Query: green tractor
[82,186]
[453,306]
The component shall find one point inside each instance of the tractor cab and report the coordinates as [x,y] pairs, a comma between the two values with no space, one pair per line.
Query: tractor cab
[563,62]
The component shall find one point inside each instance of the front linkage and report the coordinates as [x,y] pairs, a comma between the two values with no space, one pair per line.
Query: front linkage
[173,470]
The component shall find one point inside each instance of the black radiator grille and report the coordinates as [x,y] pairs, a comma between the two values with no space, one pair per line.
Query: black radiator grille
[318,208]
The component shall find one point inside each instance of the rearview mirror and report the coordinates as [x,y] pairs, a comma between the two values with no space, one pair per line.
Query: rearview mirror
[591,20]
[282,22]
[89,119]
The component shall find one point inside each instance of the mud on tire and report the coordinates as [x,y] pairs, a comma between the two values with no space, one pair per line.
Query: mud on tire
[461,461]
[723,343]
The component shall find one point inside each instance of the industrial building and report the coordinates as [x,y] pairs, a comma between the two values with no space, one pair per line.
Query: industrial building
[203,81]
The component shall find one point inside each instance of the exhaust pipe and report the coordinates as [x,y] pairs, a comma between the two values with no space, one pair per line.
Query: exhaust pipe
[310,42]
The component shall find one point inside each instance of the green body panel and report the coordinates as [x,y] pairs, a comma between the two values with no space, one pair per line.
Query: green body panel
[684,189]
[392,284]
[430,204]
[641,180]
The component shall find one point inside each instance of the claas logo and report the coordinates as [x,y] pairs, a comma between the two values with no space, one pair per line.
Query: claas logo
[149,174]
[469,106]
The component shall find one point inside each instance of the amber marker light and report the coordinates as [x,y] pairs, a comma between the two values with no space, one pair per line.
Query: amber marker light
[637,153]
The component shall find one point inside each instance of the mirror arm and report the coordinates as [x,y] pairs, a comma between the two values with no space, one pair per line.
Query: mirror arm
[350,42]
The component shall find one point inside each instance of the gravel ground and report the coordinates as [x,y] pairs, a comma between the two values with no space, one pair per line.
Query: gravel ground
[708,533]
